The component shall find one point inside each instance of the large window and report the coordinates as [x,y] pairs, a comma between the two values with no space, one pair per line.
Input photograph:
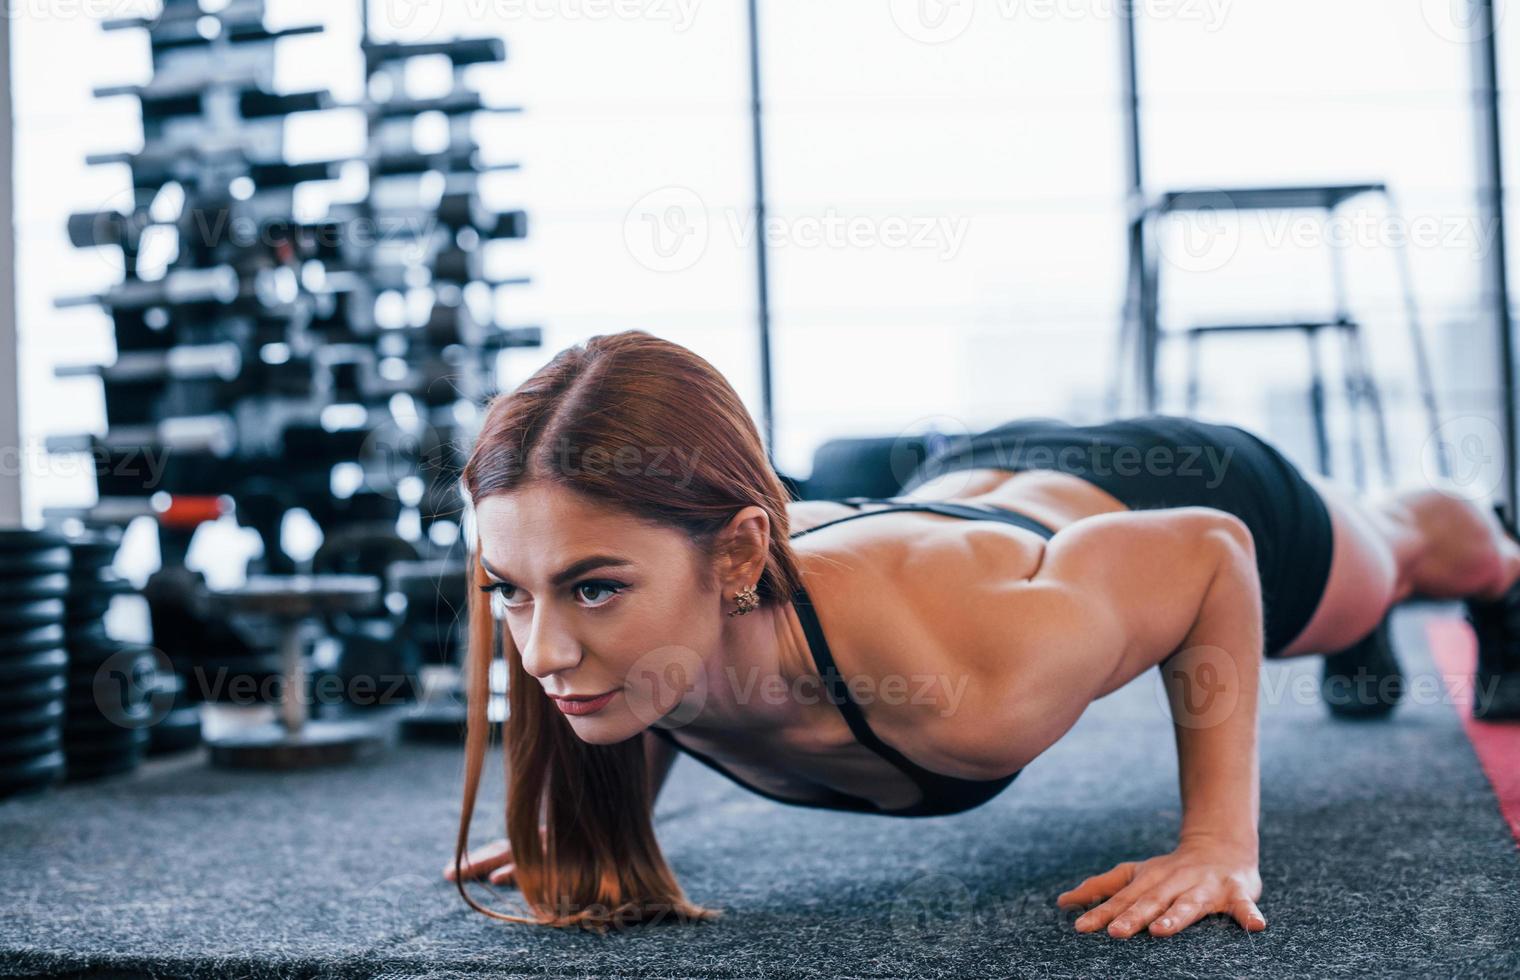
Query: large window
[1295,92]
[970,158]
[945,212]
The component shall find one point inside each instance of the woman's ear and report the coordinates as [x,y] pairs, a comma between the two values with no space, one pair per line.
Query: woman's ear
[743,548]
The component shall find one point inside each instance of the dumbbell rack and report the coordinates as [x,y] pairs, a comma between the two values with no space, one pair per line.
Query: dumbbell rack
[262,357]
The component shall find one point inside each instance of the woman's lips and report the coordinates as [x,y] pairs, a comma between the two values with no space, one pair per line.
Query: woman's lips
[586,706]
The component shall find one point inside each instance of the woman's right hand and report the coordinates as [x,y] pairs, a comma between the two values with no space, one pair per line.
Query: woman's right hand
[492,861]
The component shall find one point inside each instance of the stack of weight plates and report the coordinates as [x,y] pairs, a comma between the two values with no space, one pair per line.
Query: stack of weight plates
[111,684]
[180,729]
[34,579]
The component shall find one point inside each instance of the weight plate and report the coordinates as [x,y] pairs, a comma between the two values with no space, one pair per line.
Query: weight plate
[25,717]
[92,644]
[16,668]
[16,745]
[96,744]
[117,708]
[15,539]
[54,585]
[114,691]
[123,654]
[31,693]
[180,730]
[107,584]
[34,563]
[85,663]
[84,587]
[29,773]
[82,611]
[24,615]
[87,635]
[28,640]
[87,564]
[89,722]
[96,541]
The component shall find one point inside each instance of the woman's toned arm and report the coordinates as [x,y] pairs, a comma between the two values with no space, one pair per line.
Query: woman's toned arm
[1115,595]
[1211,683]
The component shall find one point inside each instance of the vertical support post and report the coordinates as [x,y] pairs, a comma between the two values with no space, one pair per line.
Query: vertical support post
[1490,173]
[1139,306]
[10,374]
[762,269]
[9,362]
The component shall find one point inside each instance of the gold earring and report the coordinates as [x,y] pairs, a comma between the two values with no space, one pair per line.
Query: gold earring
[748,600]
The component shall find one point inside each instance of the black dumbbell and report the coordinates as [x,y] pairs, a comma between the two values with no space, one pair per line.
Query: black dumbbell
[464,51]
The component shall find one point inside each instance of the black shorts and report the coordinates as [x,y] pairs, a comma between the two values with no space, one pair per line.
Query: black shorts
[1157,461]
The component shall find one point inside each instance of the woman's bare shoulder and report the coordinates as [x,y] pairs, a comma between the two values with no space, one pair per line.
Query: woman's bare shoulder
[804,515]
[912,620]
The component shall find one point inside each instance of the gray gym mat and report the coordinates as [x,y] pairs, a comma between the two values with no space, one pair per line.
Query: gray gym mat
[1383,853]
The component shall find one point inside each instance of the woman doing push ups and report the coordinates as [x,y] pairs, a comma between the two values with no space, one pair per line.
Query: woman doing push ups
[653,590]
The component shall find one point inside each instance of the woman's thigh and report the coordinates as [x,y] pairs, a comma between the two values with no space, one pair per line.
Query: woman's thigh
[1363,580]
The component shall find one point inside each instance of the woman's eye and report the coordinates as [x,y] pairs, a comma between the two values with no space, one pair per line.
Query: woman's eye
[609,589]
[591,593]
[501,596]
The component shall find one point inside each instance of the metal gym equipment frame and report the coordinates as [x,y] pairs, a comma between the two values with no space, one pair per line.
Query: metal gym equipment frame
[1142,330]
[1483,52]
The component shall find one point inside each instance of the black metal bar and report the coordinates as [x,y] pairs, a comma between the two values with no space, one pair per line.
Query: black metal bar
[1138,313]
[762,269]
[1130,96]
[10,408]
[1485,54]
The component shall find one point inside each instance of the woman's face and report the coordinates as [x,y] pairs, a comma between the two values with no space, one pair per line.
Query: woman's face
[600,605]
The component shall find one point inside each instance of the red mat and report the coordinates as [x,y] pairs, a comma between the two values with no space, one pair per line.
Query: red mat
[1497,744]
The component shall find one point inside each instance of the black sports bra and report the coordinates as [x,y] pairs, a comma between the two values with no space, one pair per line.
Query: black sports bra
[941,794]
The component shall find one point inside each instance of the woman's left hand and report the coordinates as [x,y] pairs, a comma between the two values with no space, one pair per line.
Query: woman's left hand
[1171,892]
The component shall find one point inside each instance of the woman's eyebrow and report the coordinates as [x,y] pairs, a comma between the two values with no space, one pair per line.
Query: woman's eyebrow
[572,571]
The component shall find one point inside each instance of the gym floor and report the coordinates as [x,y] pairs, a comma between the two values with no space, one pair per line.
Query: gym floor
[1384,850]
